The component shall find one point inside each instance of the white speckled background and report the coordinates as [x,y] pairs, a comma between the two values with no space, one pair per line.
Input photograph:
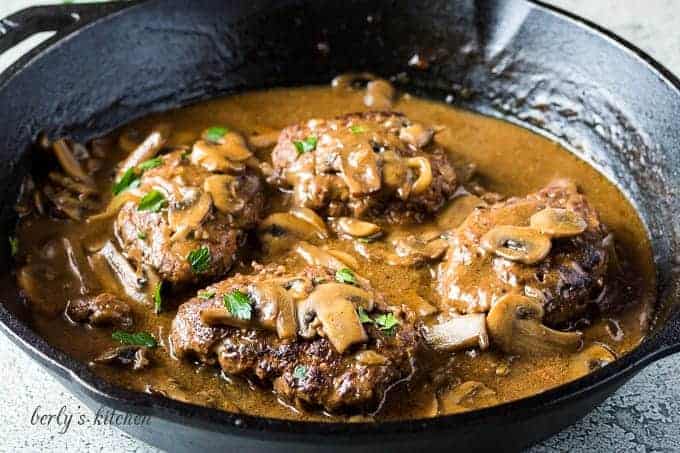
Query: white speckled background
[643,416]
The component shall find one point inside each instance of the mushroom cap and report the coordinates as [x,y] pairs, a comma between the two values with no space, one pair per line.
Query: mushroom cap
[515,325]
[558,222]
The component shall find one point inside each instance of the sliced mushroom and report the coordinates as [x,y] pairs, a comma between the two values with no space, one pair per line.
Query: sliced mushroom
[187,216]
[71,184]
[515,325]
[146,150]
[459,332]
[223,189]
[414,250]
[379,94]
[590,359]
[457,210]
[558,222]
[79,266]
[416,135]
[312,218]
[351,80]
[69,163]
[125,274]
[264,140]
[466,396]
[335,306]
[275,308]
[232,146]
[360,171]
[357,228]
[114,206]
[424,180]
[282,223]
[315,256]
[103,310]
[523,244]
[212,157]
[133,357]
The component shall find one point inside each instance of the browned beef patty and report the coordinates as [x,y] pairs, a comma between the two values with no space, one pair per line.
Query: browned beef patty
[303,370]
[190,220]
[365,165]
[567,281]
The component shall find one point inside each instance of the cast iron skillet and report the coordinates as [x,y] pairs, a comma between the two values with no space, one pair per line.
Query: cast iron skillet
[525,62]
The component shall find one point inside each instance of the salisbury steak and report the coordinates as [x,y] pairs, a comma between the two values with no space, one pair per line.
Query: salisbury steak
[319,340]
[186,219]
[549,246]
[364,165]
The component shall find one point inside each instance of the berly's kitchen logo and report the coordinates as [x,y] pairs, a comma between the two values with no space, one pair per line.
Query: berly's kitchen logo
[64,418]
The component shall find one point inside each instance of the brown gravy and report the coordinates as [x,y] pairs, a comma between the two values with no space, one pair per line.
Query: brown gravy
[509,160]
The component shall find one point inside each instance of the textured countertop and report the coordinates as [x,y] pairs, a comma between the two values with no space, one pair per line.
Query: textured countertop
[644,415]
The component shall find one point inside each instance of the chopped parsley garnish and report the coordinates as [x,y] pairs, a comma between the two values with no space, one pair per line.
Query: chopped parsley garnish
[129,180]
[357,129]
[185,154]
[345,276]
[135,338]
[363,316]
[214,134]
[300,372]
[151,163]
[307,145]
[386,322]
[131,177]
[238,305]
[199,260]
[153,201]
[157,298]
[13,245]
[206,294]
[141,235]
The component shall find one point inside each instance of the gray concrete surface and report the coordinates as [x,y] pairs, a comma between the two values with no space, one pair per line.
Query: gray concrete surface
[643,416]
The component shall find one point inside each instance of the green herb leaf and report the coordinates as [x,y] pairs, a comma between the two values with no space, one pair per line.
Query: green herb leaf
[356,129]
[199,260]
[206,294]
[363,317]
[13,245]
[345,276]
[157,298]
[153,201]
[238,304]
[386,322]
[129,180]
[141,235]
[151,163]
[215,133]
[307,145]
[185,154]
[135,338]
[300,372]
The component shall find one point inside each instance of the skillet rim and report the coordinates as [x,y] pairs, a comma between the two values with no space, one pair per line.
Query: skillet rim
[652,348]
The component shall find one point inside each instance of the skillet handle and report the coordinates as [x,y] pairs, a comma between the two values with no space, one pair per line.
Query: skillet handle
[63,19]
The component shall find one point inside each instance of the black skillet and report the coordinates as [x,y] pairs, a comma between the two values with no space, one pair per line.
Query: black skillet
[525,62]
